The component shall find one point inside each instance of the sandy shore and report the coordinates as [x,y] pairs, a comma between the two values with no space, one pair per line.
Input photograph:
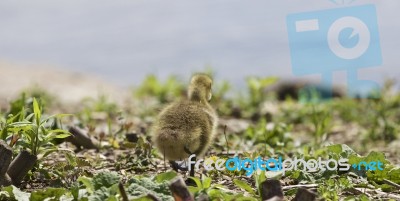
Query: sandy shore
[69,87]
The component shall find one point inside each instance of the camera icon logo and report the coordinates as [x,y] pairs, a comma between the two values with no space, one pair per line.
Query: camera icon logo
[332,40]
[339,46]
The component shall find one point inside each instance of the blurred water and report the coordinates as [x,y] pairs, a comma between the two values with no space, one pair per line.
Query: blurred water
[122,41]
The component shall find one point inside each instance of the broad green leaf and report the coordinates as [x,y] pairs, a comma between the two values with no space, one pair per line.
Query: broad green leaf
[206,182]
[341,150]
[166,176]
[198,182]
[87,182]
[193,189]
[215,193]
[243,185]
[45,194]
[336,148]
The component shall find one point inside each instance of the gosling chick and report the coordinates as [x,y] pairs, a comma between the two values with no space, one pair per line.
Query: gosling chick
[187,126]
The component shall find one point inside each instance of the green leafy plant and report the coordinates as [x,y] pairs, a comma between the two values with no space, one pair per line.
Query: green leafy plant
[14,193]
[213,191]
[271,134]
[102,186]
[256,87]
[36,134]
[7,125]
[321,119]
[98,108]
[140,187]
[331,189]
[201,185]
[163,91]
[19,109]
[308,128]
[243,185]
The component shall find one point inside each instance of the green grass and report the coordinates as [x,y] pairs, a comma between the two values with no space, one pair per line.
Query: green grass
[358,129]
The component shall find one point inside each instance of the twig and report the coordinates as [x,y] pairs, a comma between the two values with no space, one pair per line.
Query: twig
[359,191]
[123,192]
[388,195]
[386,181]
[380,193]
[299,186]
[226,140]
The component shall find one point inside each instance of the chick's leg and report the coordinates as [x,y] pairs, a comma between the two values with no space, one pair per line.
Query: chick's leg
[190,181]
[175,166]
[191,173]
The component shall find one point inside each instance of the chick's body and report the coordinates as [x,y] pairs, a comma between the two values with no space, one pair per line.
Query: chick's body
[187,126]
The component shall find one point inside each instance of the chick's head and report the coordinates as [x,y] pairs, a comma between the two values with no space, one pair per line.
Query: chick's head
[200,87]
